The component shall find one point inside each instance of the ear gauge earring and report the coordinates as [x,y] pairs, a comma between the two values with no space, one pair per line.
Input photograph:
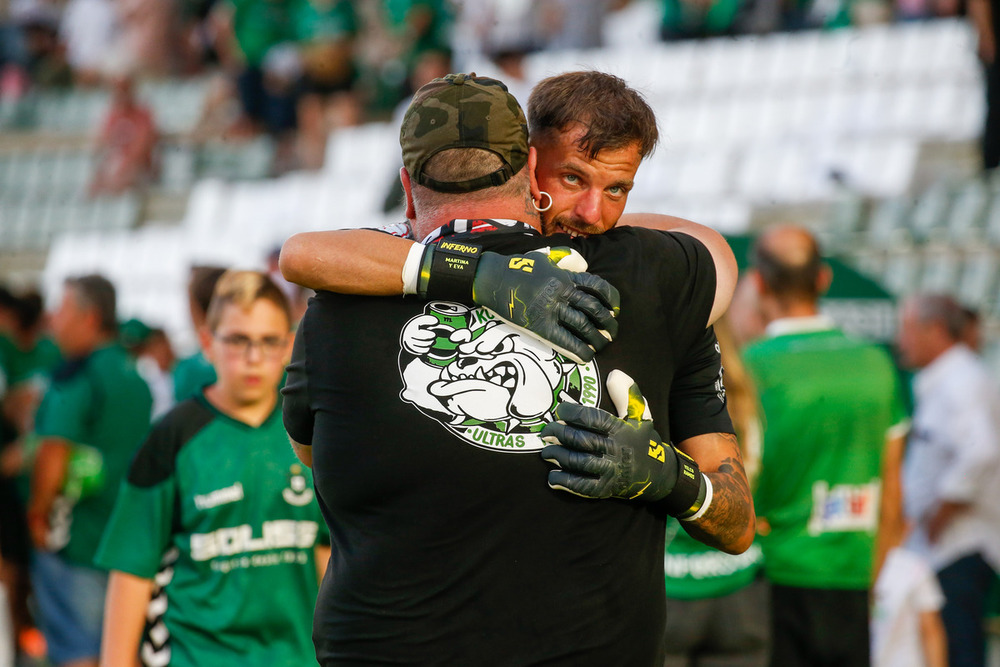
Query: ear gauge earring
[539,208]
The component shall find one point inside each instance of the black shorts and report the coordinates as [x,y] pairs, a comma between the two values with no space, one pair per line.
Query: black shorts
[815,627]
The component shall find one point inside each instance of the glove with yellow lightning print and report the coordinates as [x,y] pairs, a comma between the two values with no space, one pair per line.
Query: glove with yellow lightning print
[545,293]
[599,455]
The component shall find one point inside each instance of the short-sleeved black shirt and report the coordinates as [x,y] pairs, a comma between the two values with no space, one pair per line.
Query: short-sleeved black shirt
[448,546]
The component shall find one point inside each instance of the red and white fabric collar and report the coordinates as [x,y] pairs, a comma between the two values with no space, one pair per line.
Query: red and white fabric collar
[465,226]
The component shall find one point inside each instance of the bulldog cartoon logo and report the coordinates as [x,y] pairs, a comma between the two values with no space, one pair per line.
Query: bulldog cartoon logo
[484,381]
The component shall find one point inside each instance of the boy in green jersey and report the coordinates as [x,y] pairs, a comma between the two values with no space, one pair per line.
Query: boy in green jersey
[216,522]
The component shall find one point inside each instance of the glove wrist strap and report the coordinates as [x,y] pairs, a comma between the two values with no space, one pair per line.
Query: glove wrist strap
[690,490]
[703,503]
[447,271]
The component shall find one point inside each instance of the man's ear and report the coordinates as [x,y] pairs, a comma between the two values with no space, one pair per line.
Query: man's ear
[536,192]
[824,279]
[404,178]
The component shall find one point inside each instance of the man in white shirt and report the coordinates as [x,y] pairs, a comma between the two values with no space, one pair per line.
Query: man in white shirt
[950,491]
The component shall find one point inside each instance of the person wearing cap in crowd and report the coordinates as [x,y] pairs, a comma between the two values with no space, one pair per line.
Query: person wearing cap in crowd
[425,427]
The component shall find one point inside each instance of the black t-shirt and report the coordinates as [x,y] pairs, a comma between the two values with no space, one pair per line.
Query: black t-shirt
[448,546]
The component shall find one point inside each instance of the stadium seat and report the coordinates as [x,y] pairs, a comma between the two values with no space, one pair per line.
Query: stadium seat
[978,281]
[902,271]
[887,225]
[968,211]
[942,268]
[929,218]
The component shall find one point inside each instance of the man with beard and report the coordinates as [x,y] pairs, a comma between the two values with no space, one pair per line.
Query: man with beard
[447,547]
[586,165]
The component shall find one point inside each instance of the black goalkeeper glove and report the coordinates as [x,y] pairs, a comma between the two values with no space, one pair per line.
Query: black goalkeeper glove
[544,293]
[601,456]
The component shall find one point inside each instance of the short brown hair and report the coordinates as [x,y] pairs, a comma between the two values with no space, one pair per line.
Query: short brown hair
[614,114]
[243,289]
[201,285]
[95,292]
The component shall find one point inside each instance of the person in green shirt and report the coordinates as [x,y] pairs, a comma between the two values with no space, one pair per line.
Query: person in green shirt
[90,422]
[193,373]
[27,359]
[216,521]
[829,481]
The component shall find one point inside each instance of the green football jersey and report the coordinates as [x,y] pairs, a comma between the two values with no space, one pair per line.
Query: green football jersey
[222,515]
[695,571]
[38,363]
[101,406]
[829,402]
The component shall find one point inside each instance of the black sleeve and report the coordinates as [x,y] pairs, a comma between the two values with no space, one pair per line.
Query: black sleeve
[690,276]
[296,409]
[698,395]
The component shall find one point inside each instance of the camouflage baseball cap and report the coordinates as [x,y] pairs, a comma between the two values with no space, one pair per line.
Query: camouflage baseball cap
[464,111]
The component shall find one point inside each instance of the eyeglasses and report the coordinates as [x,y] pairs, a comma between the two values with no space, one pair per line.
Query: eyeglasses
[240,345]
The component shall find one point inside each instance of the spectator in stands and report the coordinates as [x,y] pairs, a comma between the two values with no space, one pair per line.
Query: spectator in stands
[718,606]
[327,30]
[90,422]
[149,33]
[574,24]
[193,373]
[91,31]
[44,55]
[832,409]
[127,143]
[413,27]
[692,19]
[251,30]
[950,490]
[487,27]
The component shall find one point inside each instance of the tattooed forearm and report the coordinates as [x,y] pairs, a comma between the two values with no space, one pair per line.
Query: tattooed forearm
[729,523]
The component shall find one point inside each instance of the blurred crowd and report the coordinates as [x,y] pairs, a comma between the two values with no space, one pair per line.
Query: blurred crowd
[298,69]
[40,352]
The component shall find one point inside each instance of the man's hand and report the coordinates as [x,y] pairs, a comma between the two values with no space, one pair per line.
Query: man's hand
[544,293]
[601,456]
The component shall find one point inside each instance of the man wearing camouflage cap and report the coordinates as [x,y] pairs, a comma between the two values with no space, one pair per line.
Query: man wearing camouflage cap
[425,417]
